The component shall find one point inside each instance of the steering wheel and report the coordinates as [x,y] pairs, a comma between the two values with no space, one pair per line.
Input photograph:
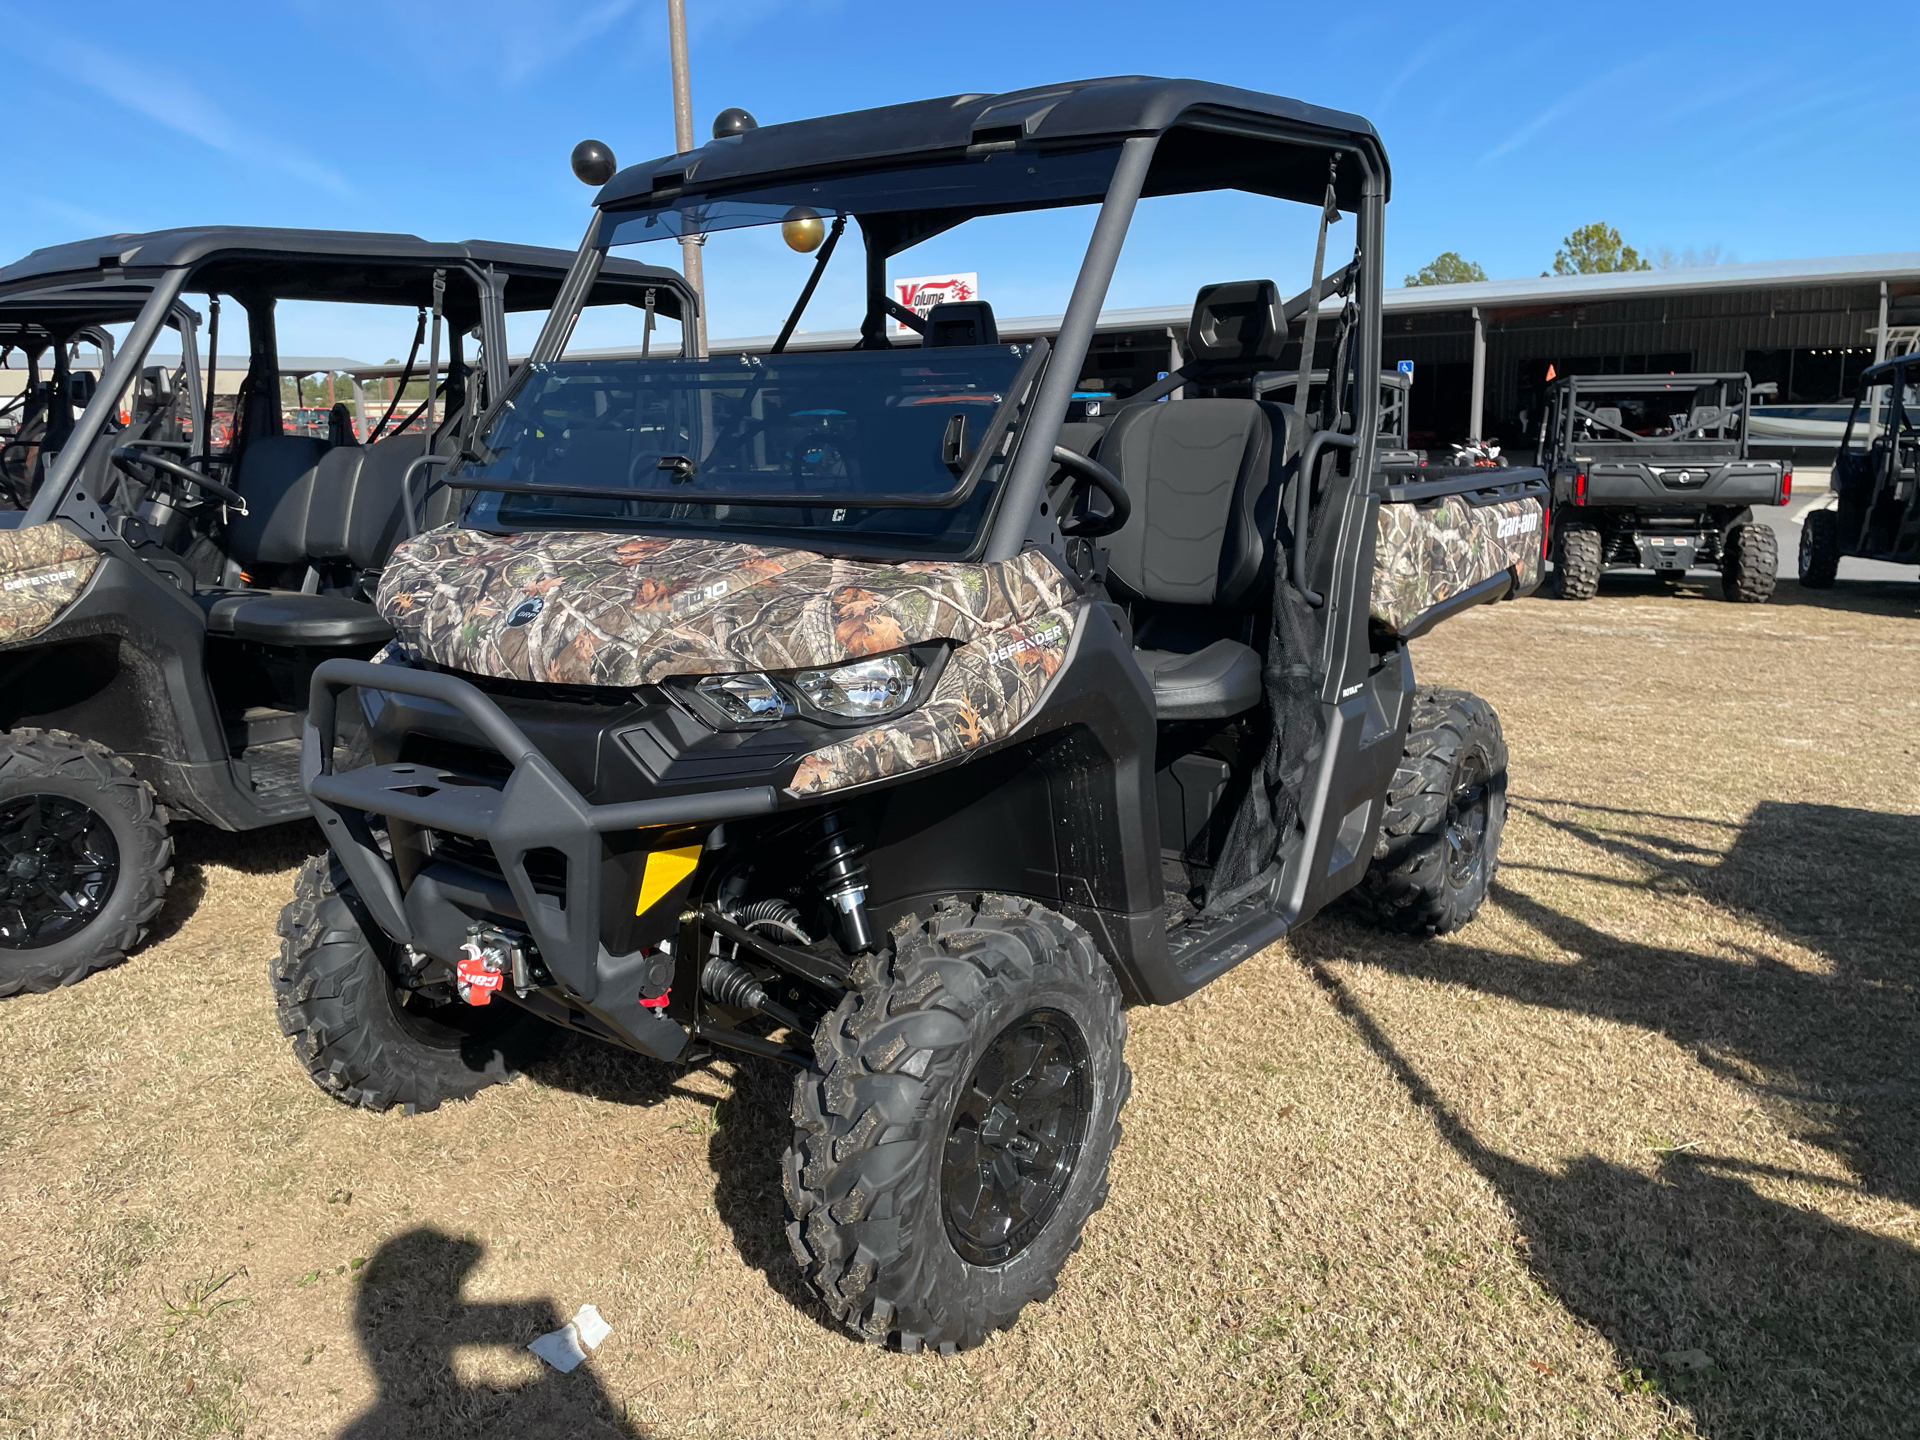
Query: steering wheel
[127,457]
[1086,471]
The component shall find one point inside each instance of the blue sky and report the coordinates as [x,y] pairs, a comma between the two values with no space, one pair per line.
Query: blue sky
[1760,128]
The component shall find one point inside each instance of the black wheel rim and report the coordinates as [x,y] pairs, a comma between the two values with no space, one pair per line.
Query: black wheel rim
[1016,1136]
[58,866]
[1466,837]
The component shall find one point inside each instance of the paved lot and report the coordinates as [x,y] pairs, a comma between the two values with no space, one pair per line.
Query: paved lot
[1810,492]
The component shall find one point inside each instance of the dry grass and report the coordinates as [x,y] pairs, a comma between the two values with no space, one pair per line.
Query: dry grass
[1634,1155]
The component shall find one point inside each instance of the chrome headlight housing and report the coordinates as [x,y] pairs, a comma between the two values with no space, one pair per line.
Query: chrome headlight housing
[868,689]
[854,691]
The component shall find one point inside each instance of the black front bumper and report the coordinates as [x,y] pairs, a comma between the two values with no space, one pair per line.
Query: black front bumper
[536,809]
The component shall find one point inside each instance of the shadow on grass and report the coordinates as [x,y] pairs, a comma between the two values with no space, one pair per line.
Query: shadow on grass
[411,1313]
[1838,1053]
[1897,598]
[750,1126]
[1764,1319]
[199,848]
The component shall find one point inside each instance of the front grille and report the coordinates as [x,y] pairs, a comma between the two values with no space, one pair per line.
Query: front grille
[547,869]
[603,695]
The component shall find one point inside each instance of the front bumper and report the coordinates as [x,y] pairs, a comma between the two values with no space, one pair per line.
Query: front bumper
[535,810]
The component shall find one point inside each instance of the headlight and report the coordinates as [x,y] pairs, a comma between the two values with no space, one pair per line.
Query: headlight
[861,689]
[749,699]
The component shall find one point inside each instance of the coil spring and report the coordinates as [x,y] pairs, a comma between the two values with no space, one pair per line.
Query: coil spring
[838,866]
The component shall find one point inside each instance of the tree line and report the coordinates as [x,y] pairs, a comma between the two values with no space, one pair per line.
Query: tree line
[1595,249]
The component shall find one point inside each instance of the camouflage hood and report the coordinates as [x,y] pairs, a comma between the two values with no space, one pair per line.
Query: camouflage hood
[599,609]
[42,569]
[592,608]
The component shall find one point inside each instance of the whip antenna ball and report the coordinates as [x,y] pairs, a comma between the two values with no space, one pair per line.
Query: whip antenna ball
[593,162]
[733,121]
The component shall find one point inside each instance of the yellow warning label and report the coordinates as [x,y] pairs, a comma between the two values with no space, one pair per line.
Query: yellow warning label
[665,869]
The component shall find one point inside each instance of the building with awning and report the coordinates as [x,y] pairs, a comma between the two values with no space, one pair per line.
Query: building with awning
[1482,353]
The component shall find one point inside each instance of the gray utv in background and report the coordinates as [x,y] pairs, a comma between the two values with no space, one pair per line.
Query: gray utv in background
[1652,472]
[164,598]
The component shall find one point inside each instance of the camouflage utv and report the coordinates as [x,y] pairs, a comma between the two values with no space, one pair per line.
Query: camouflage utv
[852,710]
[177,567]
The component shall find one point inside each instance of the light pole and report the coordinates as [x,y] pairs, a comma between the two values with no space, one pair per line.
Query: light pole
[682,143]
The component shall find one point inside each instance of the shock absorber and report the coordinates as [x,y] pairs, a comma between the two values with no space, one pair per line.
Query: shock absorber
[843,880]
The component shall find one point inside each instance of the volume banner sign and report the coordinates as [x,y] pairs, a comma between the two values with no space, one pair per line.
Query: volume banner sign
[920,293]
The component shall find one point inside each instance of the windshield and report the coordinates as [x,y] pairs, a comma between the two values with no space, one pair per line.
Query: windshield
[683,435]
[1705,413]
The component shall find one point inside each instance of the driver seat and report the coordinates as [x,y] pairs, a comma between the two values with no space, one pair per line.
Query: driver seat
[1201,476]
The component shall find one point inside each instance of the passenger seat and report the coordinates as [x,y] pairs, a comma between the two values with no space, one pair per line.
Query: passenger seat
[1201,477]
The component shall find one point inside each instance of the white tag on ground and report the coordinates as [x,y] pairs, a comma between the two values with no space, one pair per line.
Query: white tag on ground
[566,1347]
[590,1327]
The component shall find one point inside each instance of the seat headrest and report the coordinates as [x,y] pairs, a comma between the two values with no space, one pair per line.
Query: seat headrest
[1237,321]
[340,425]
[961,322]
[1607,414]
[1705,417]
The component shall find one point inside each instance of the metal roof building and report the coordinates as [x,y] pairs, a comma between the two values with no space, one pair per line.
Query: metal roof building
[1482,352]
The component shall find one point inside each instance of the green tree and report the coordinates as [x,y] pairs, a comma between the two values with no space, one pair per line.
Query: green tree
[1595,249]
[1447,268]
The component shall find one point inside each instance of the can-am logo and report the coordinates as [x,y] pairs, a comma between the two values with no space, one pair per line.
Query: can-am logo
[523,612]
[1510,525]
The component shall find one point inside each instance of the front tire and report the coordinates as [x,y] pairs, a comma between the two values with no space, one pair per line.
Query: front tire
[955,1133]
[85,859]
[1576,570]
[1440,840]
[1819,549]
[337,1000]
[1749,563]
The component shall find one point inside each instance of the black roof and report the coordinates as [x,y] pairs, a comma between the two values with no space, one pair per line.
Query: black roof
[1074,114]
[340,265]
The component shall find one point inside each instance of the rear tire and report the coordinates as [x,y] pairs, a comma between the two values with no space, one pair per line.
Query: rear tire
[954,1135]
[337,1000]
[1576,569]
[1749,563]
[1439,843]
[85,859]
[1819,549]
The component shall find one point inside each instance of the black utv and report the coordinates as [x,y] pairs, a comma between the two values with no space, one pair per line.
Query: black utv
[1652,472]
[179,568]
[1876,479]
[856,711]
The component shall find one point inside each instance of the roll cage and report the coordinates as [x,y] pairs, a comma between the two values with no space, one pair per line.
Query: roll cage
[905,173]
[143,281]
[1724,422]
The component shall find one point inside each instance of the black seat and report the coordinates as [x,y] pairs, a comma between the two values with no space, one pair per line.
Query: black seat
[288,618]
[1200,474]
[312,506]
[1216,682]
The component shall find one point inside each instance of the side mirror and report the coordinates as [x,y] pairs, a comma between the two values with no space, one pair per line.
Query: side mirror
[593,162]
